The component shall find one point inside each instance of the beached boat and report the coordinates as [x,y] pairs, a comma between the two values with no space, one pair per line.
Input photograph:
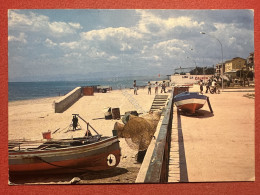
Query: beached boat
[190,101]
[92,153]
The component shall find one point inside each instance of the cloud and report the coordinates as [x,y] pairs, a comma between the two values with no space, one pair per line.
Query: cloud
[153,40]
[151,23]
[111,58]
[32,22]
[63,28]
[120,33]
[14,19]
[50,43]
[20,38]
[71,45]
[74,54]
[75,25]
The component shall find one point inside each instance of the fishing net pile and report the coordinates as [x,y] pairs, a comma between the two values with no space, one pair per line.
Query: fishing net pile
[138,131]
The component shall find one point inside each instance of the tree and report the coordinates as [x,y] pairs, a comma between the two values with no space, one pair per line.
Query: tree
[244,74]
[197,71]
[209,70]
[202,71]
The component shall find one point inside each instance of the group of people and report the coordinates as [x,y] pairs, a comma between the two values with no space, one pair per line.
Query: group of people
[156,86]
[210,83]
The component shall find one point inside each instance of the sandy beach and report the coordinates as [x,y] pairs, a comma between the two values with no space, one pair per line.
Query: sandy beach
[29,118]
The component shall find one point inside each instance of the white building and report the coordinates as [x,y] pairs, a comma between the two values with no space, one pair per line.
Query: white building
[189,79]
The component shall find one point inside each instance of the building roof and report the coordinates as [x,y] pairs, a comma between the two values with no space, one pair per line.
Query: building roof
[238,58]
[228,61]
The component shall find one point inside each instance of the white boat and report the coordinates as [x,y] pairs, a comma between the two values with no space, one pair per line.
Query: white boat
[190,101]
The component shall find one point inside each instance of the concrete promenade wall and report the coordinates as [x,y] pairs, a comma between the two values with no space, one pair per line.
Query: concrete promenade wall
[69,99]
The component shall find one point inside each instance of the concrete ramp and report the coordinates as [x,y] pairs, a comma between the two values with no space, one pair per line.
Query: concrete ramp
[68,100]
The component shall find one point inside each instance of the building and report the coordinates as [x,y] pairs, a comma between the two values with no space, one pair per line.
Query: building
[189,79]
[219,69]
[251,65]
[251,61]
[235,64]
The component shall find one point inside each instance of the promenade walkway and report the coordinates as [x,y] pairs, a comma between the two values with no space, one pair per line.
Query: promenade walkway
[215,147]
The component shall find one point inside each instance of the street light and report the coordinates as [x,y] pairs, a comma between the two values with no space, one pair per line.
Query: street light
[221,55]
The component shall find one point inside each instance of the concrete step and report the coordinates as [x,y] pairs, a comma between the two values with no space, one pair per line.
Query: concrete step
[162,103]
[161,96]
[159,102]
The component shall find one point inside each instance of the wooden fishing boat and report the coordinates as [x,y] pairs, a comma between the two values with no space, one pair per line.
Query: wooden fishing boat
[190,101]
[93,153]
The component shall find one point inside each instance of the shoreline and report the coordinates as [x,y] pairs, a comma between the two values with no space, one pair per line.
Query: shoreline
[129,88]
[54,88]
[51,99]
[33,100]
[57,97]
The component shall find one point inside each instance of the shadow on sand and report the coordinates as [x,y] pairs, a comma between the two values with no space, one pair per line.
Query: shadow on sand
[66,178]
[92,175]
[198,114]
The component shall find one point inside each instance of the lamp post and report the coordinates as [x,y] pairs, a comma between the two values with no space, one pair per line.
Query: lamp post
[203,68]
[221,56]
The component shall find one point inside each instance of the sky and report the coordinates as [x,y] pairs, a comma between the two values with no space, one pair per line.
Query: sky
[88,44]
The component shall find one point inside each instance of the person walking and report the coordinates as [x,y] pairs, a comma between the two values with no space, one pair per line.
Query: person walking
[149,88]
[163,87]
[156,88]
[208,86]
[213,84]
[135,87]
[201,86]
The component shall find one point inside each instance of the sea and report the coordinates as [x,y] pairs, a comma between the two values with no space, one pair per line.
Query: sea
[33,90]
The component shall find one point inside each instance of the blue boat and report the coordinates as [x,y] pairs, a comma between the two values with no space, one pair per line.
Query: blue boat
[190,101]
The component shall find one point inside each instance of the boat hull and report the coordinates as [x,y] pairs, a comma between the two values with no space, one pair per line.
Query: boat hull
[189,102]
[98,156]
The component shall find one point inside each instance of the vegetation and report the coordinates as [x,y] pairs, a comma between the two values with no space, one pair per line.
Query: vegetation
[245,75]
[202,71]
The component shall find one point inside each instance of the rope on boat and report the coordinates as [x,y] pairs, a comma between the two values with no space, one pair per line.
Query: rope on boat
[59,165]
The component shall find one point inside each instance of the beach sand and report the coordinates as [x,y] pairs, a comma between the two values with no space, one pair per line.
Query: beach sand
[29,118]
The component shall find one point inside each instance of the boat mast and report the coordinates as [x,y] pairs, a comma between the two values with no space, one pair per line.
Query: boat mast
[88,125]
